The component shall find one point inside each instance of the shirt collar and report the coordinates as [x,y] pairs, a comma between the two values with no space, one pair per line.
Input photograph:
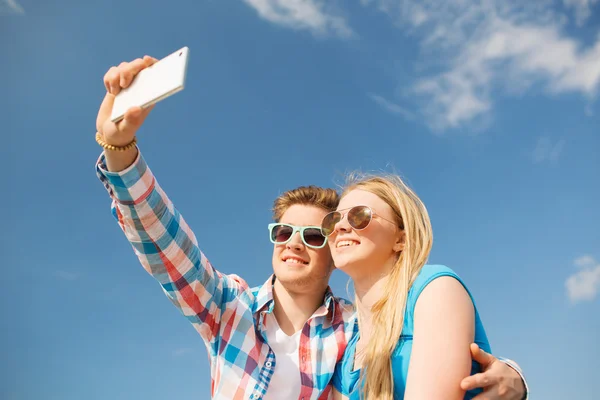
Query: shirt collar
[264,299]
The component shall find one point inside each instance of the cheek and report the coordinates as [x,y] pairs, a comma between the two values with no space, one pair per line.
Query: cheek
[384,243]
[331,247]
[322,257]
[276,252]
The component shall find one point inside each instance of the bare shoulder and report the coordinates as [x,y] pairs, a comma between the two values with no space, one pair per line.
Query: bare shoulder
[442,294]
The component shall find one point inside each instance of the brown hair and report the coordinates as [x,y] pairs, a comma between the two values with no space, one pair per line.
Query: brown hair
[324,198]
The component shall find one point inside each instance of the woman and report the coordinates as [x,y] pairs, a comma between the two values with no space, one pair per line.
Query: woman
[409,313]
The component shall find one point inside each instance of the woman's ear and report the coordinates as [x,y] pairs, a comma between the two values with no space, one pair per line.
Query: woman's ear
[400,241]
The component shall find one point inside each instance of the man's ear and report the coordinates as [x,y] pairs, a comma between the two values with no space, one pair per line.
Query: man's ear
[400,241]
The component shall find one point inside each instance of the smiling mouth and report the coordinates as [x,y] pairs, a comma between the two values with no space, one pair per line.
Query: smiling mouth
[294,261]
[346,243]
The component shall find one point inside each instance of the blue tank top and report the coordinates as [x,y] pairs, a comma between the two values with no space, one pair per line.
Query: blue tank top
[345,379]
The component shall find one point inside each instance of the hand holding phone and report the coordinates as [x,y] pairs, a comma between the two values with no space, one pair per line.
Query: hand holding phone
[132,90]
[153,84]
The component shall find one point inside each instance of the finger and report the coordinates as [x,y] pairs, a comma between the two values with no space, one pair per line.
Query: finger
[132,120]
[105,111]
[475,381]
[150,60]
[479,355]
[111,80]
[128,71]
[482,396]
[146,111]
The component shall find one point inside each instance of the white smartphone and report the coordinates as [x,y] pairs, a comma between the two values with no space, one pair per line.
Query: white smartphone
[153,84]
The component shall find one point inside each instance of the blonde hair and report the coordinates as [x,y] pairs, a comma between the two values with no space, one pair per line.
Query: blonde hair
[324,198]
[388,312]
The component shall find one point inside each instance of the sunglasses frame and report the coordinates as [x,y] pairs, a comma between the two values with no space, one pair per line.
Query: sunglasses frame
[295,229]
[345,215]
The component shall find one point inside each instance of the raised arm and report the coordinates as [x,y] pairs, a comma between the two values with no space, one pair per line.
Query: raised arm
[160,237]
[444,327]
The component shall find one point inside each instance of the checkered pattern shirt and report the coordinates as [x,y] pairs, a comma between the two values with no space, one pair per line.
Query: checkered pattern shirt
[228,315]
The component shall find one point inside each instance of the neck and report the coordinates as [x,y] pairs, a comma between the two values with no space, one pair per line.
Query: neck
[368,292]
[292,309]
[369,288]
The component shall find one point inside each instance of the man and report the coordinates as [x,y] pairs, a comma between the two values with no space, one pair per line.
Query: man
[280,340]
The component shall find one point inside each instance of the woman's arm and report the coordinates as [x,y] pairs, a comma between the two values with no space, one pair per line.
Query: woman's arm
[444,327]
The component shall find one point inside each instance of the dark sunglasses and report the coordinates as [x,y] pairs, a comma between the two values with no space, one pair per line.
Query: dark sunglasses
[359,217]
[311,235]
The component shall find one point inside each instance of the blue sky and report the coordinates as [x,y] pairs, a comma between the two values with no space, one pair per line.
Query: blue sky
[489,111]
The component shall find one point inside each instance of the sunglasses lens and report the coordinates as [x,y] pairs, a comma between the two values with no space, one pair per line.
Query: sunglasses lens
[281,233]
[328,223]
[359,217]
[314,237]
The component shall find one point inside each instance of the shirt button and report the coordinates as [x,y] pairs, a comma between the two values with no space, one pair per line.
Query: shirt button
[268,364]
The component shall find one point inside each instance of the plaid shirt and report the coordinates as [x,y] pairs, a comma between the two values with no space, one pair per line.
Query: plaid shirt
[228,315]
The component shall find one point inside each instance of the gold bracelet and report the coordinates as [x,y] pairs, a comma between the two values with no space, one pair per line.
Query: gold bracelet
[111,147]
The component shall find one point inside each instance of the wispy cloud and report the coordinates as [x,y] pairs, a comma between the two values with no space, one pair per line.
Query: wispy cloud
[585,283]
[391,107]
[582,8]
[10,7]
[489,47]
[546,150]
[471,50]
[316,16]
[181,352]
[66,275]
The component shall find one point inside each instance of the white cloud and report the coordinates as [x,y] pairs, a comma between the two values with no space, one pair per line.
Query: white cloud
[585,283]
[316,16]
[480,48]
[391,107]
[586,261]
[10,7]
[583,9]
[181,352]
[546,150]
[471,51]
[66,275]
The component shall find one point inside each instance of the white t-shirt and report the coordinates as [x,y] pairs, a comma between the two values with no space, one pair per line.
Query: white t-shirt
[285,382]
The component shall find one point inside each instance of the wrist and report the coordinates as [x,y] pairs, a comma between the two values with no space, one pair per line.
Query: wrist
[115,146]
[522,382]
[117,138]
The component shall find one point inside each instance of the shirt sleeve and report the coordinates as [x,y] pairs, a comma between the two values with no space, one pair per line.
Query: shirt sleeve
[167,248]
[337,378]
[516,367]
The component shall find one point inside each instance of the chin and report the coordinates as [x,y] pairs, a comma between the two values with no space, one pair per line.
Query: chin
[284,272]
[342,267]
[347,265]
[342,261]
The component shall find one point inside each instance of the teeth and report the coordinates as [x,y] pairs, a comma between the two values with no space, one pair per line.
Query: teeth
[293,261]
[345,243]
